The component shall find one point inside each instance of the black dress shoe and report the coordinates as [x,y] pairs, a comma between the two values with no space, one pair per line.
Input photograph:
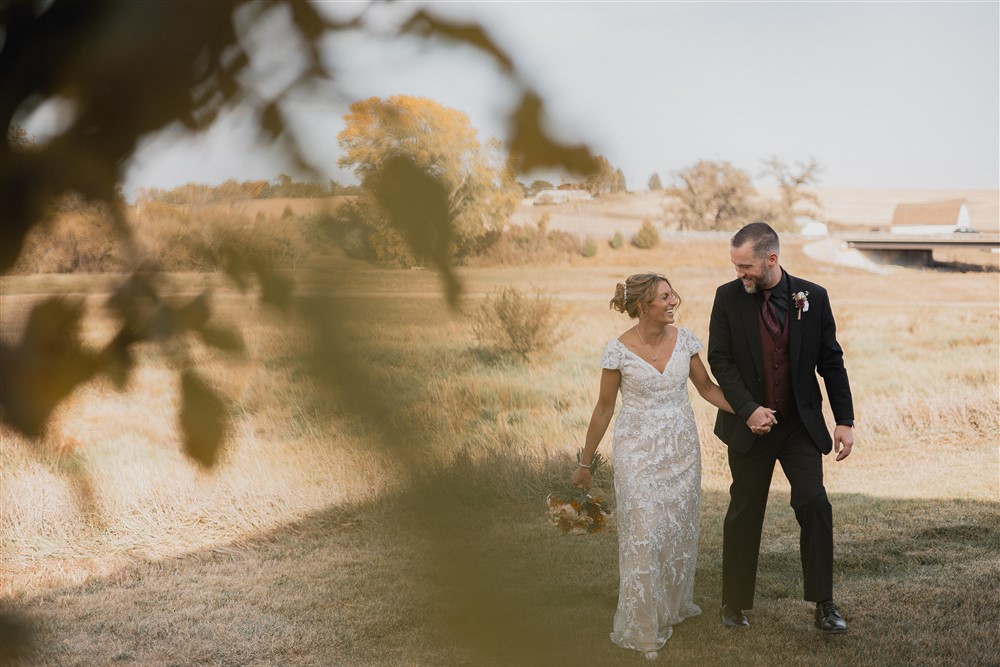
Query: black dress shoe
[734,618]
[828,618]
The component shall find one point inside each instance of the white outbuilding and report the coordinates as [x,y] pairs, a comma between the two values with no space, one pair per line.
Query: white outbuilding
[546,197]
[943,217]
[811,227]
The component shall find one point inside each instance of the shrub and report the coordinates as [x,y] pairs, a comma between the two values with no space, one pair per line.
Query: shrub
[589,247]
[204,242]
[543,224]
[389,248]
[174,240]
[647,237]
[77,241]
[513,324]
[525,244]
[617,241]
[358,228]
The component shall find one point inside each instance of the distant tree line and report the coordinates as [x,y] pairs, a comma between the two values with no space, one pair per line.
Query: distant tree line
[605,180]
[284,186]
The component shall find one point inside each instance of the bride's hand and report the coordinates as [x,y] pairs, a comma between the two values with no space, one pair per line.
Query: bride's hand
[761,421]
[581,477]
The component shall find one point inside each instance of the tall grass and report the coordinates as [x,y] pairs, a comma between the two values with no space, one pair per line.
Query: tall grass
[311,546]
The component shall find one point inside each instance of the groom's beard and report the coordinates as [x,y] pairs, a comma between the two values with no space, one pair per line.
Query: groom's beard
[759,283]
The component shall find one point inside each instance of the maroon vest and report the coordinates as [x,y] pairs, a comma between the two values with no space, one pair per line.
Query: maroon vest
[777,370]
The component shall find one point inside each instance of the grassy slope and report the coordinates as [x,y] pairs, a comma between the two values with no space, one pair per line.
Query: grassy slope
[187,569]
[380,585]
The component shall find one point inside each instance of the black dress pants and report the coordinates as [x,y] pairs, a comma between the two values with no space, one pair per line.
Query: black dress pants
[789,444]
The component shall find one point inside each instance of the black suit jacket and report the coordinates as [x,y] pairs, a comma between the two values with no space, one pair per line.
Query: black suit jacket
[734,354]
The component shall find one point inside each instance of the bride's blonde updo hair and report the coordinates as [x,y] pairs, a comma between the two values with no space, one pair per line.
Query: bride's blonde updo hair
[638,290]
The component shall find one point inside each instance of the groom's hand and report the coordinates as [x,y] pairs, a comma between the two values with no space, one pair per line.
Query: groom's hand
[843,441]
[761,420]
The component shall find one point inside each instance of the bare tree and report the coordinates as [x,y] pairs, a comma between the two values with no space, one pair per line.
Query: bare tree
[710,196]
[602,181]
[794,183]
[619,184]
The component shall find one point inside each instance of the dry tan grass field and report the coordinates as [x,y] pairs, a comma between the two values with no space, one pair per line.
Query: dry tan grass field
[300,206]
[857,208]
[299,548]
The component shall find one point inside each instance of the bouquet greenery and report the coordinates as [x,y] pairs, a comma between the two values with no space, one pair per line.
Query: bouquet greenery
[573,509]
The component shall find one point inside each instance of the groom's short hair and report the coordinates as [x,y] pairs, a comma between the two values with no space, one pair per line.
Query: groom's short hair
[762,236]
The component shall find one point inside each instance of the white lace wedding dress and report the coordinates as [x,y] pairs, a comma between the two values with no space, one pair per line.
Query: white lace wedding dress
[657,464]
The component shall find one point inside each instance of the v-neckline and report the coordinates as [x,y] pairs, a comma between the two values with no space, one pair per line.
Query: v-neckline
[666,363]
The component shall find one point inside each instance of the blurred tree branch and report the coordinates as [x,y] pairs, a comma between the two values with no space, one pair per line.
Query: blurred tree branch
[127,70]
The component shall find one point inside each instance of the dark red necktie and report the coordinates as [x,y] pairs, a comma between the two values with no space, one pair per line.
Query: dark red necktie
[770,317]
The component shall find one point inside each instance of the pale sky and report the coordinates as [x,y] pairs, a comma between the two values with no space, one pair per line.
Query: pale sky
[881,94]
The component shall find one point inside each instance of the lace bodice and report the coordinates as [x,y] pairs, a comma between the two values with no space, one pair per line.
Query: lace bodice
[645,388]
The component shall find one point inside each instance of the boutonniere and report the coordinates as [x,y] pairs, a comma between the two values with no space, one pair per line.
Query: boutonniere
[801,302]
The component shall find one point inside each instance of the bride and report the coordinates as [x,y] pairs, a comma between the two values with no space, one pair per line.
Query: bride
[656,458]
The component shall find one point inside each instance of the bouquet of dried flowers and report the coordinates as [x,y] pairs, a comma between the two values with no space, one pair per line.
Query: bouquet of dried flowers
[574,510]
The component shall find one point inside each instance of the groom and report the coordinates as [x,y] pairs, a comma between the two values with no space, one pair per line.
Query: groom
[770,334]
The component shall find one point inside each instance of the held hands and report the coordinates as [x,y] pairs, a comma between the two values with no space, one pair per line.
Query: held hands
[581,477]
[761,421]
[843,441]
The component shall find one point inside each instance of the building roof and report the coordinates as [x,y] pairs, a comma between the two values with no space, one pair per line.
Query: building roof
[930,213]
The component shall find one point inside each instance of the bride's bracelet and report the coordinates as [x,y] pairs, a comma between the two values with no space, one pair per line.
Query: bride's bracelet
[587,466]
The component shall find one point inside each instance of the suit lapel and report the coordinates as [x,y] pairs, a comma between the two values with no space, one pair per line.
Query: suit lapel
[794,324]
[748,311]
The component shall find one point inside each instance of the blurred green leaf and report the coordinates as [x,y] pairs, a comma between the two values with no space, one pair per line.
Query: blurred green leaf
[275,289]
[228,340]
[203,419]
[235,266]
[117,360]
[16,634]
[45,367]
[531,147]
[426,24]
[193,315]
[272,121]
[417,204]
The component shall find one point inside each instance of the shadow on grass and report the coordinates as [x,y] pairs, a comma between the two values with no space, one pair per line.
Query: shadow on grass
[463,569]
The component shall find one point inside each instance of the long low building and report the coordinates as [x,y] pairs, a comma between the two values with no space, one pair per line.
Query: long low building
[944,217]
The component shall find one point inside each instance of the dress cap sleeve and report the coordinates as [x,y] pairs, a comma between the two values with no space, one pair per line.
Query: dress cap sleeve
[612,357]
[691,342]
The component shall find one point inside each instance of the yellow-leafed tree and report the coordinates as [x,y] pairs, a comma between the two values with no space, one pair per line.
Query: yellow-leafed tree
[439,142]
